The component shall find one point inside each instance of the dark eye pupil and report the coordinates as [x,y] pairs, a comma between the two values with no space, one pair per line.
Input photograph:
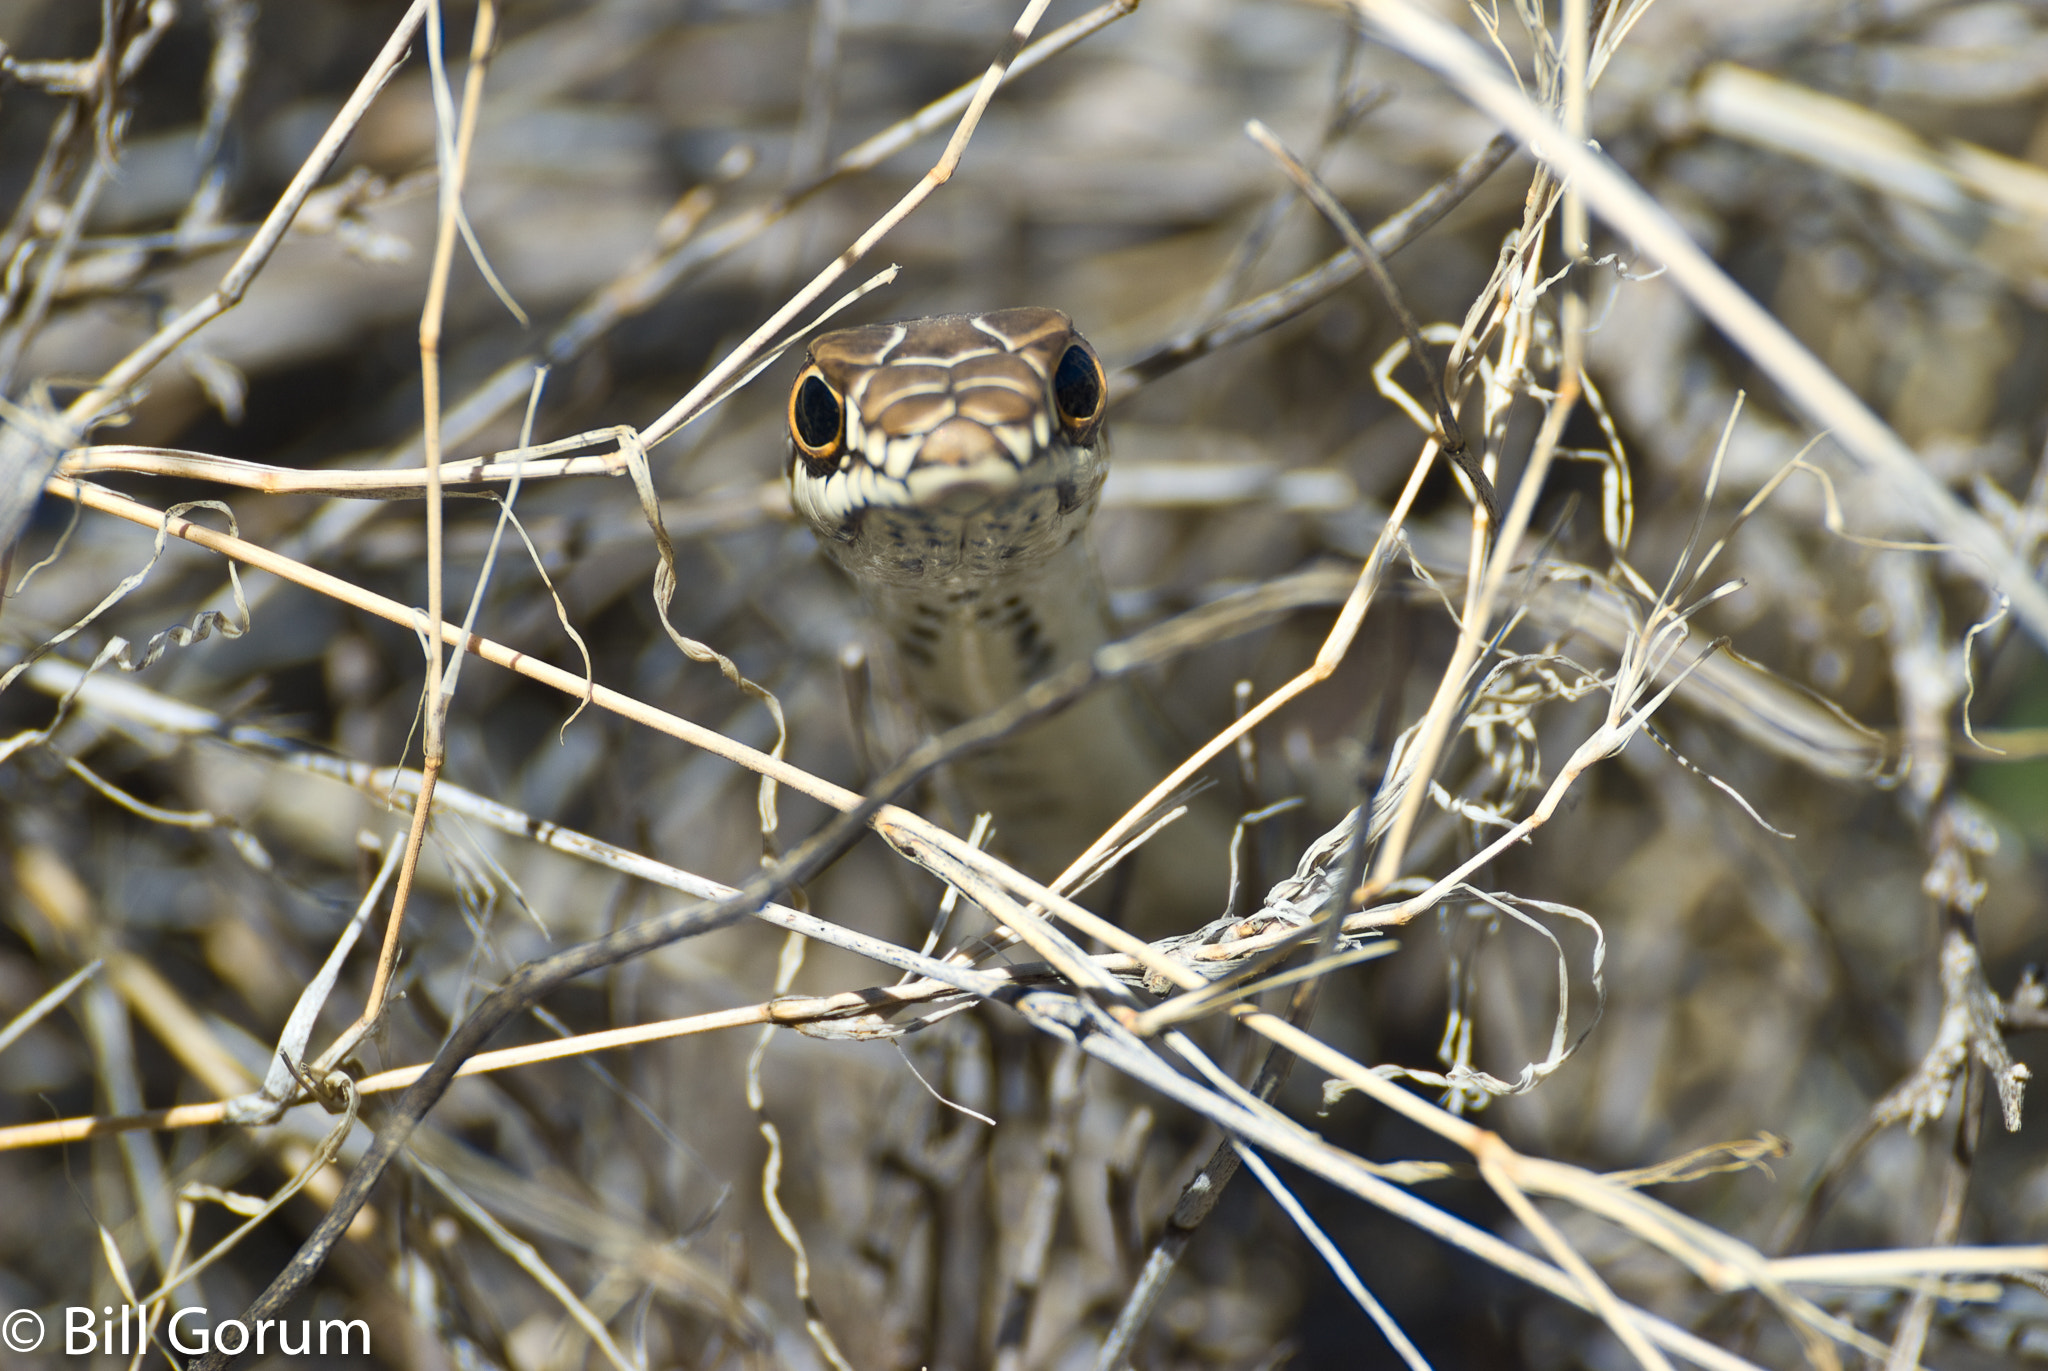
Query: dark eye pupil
[815,413]
[1077,386]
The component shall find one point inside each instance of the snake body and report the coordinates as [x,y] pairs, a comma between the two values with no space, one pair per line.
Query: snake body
[951,466]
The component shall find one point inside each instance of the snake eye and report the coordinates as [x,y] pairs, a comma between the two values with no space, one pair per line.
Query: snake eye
[816,419]
[1078,388]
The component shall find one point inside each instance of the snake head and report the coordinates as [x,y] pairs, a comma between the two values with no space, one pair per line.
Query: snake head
[948,446]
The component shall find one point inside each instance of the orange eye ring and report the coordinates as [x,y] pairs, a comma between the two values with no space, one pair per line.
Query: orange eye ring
[817,418]
[1080,391]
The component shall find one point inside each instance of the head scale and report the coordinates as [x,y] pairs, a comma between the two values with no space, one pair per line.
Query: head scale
[948,445]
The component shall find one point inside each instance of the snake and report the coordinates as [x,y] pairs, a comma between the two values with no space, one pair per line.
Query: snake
[951,466]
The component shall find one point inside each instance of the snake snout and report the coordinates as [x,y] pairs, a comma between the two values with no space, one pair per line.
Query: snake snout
[963,467]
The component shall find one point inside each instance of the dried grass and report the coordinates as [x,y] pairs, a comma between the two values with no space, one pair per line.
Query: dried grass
[1691,764]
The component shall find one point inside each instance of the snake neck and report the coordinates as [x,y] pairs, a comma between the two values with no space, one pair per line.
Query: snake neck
[968,644]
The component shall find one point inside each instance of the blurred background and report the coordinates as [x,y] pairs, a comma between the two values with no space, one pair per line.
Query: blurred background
[645,187]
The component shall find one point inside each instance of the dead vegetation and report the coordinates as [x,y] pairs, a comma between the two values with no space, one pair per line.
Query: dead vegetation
[1694,718]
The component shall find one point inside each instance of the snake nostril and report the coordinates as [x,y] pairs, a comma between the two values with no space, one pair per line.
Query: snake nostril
[1078,388]
[815,417]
